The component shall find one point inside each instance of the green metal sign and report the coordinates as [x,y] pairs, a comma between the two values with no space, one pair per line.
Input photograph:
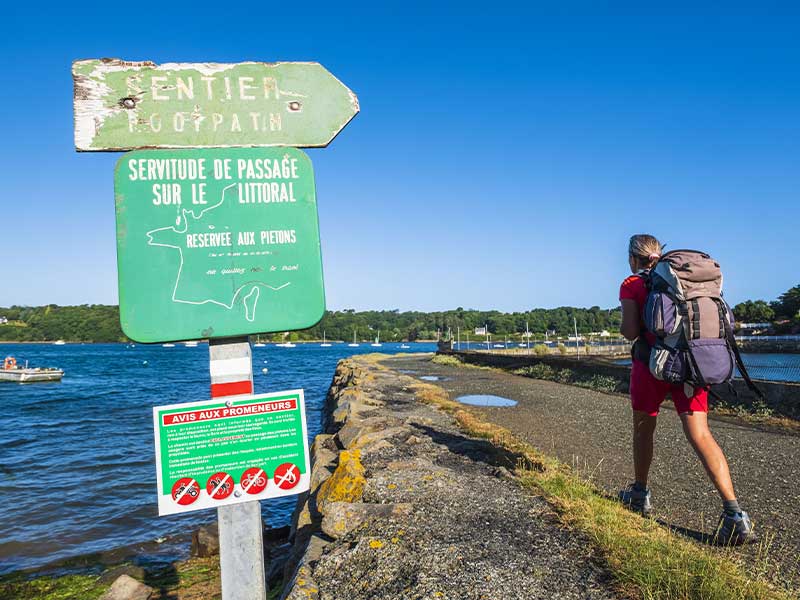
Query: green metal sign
[217,243]
[122,105]
[213,453]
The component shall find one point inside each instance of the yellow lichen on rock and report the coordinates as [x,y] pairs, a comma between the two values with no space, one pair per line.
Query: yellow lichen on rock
[347,482]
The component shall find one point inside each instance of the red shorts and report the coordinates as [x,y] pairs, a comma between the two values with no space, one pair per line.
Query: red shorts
[647,393]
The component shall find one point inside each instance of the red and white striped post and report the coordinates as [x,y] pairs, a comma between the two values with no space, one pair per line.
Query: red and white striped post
[241,547]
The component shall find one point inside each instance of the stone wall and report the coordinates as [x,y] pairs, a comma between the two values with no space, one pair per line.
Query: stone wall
[403,504]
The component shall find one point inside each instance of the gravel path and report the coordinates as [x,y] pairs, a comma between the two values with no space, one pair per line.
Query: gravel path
[591,431]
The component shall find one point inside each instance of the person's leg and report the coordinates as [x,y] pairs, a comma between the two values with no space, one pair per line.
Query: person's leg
[735,526]
[647,393]
[695,426]
[644,426]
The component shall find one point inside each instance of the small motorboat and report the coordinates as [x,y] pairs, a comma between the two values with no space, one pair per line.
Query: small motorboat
[16,374]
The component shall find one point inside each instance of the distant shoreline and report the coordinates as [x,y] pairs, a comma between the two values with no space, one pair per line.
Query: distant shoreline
[298,342]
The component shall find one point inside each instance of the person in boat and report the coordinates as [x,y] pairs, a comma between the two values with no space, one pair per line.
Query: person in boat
[647,393]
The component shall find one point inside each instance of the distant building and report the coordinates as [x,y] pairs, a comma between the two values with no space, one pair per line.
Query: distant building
[753,328]
[3,320]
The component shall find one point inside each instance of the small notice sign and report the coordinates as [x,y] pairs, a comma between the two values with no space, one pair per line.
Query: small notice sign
[210,453]
[217,243]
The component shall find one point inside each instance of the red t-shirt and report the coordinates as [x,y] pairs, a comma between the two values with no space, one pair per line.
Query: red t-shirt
[634,288]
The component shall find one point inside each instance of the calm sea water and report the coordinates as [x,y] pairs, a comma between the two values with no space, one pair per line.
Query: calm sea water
[76,458]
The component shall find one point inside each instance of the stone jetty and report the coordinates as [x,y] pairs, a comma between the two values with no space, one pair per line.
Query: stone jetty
[404,504]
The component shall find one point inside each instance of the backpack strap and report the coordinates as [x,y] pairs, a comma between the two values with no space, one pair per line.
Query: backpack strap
[735,349]
[695,322]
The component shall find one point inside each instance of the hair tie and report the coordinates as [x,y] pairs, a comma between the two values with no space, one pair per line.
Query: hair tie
[654,256]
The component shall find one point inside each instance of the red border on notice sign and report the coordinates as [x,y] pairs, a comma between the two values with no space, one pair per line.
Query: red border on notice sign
[227,412]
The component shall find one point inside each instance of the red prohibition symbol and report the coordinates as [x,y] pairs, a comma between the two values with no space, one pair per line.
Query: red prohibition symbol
[287,476]
[219,485]
[254,480]
[185,491]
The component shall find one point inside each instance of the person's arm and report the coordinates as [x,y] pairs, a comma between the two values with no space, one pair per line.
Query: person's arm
[629,327]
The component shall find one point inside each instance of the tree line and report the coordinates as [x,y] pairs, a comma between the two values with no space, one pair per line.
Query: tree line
[100,323]
[784,312]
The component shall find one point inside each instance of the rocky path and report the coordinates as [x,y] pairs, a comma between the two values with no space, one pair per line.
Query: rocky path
[591,431]
[405,506]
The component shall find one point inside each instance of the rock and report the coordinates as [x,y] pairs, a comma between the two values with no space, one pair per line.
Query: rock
[127,569]
[323,448]
[375,427]
[278,557]
[342,411]
[420,464]
[343,517]
[274,536]
[347,482]
[371,437]
[127,588]
[350,394]
[323,459]
[374,447]
[301,560]
[302,587]
[205,541]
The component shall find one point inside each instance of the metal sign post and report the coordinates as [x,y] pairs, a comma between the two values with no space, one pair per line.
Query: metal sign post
[241,546]
[218,237]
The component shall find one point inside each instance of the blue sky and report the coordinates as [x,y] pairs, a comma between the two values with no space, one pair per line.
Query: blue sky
[501,159]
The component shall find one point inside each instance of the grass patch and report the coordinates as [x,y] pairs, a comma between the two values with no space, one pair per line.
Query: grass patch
[647,560]
[448,360]
[600,383]
[541,350]
[69,587]
[192,579]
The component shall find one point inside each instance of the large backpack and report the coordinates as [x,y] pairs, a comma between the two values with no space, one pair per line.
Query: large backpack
[691,321]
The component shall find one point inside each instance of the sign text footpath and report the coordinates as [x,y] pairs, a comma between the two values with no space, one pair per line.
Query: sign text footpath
[121,105]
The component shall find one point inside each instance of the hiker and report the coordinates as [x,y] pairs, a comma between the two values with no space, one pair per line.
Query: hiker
[691,403]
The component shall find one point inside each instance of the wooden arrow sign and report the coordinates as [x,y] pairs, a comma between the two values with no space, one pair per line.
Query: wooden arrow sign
[121,105]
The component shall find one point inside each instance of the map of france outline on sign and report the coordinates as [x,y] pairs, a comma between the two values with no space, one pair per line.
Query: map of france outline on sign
[250,300]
